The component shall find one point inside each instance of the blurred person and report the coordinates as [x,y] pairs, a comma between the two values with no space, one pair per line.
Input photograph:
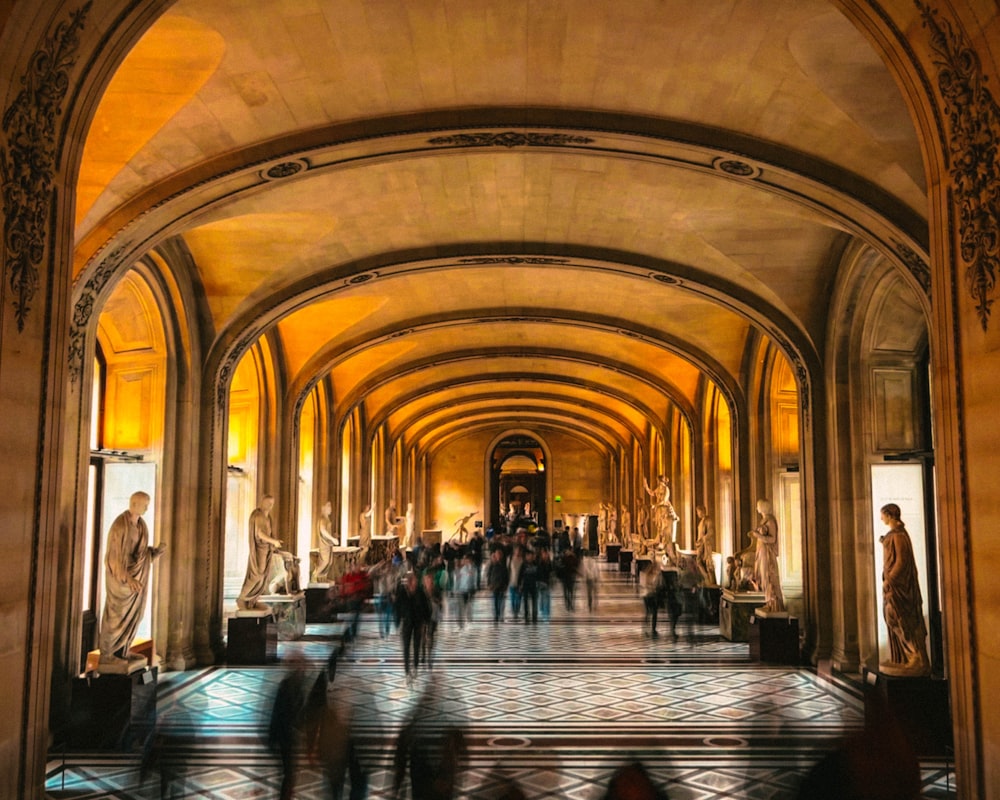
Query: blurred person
[497,580]
[592,579]
[514,584]
[528,587]
[544,584]
[332,740]
[413,612]
[465,586]
[286,719]
[632,782]
[569,568]
[431,748]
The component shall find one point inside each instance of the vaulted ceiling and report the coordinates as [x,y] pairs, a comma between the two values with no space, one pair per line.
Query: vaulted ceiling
[567,214]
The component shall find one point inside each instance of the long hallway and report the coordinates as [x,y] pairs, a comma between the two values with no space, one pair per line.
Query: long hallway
[554,707]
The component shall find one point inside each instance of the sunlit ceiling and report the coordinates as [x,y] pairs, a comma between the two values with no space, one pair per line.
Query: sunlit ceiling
[506,213]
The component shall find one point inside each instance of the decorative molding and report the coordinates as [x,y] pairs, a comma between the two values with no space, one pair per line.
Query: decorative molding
[510,139]
[478,260]
[27,160]
[84,308]
[285,169]
[228,367]
[974,155]
[670,280]
[918,268]
[736,168]
[799,368]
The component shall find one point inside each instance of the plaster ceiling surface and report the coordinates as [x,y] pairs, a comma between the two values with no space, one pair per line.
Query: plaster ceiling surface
[584,269]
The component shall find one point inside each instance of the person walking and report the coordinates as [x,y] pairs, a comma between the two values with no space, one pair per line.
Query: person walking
[497,578]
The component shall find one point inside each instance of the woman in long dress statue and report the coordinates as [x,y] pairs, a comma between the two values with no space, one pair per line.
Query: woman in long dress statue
[766,561]
[902,600]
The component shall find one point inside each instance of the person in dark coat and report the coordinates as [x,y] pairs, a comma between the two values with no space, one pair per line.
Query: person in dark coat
[497,578]
[413,614]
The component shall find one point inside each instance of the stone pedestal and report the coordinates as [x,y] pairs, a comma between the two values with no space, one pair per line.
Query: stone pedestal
[612,551]
[288,612]
[431,538]
[735,611]
[340,558]
[253,640]
[920,706]
[318,605]
[113,712]
[625,561]
[774,638]
[381,547]
[641,564]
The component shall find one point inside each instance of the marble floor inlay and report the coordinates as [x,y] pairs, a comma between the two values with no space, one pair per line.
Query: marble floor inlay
[554,707]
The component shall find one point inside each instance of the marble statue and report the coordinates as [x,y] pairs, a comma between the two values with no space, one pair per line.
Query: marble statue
[902,600]
[662,512]
[391,522]
[126,577]
[262,547]
[365,523]
[704,545]
[326,543]
[766,572]
[411,523]
[625,524]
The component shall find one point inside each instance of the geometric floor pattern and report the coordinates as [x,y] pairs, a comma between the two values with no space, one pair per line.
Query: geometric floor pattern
[554,707]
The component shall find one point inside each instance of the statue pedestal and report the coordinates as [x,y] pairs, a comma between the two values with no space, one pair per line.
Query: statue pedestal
[381,547]
[431,538]
[113,712]
[735,611]
[625,561]
[641,564]
[612,551]
[318,605]
[921,707]
[289,614]
[253,640]
[774,638]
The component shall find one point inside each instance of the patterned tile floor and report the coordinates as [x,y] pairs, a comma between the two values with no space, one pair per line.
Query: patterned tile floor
[554,707]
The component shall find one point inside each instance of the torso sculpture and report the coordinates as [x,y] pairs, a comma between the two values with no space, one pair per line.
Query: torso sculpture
[705,545]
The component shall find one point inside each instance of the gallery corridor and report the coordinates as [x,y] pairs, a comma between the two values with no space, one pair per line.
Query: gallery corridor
[554,707]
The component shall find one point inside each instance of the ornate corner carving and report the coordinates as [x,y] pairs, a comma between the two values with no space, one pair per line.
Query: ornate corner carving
[918,268]
[509,139]
[27,159]
[974,155]
[285,169]
[84,308]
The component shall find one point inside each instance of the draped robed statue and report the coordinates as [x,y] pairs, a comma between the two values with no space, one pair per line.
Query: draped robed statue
[127,564]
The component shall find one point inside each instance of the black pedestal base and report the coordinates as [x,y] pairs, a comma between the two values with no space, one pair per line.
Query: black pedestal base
[252,640]
[318,605]
[611,552]
[625,561]
[113,712]
[922,708]
[774,640]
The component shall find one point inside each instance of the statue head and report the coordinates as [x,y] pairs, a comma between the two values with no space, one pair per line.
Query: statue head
[701,512]
[763,506]
[138,503]
[327,508]
[267,502]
